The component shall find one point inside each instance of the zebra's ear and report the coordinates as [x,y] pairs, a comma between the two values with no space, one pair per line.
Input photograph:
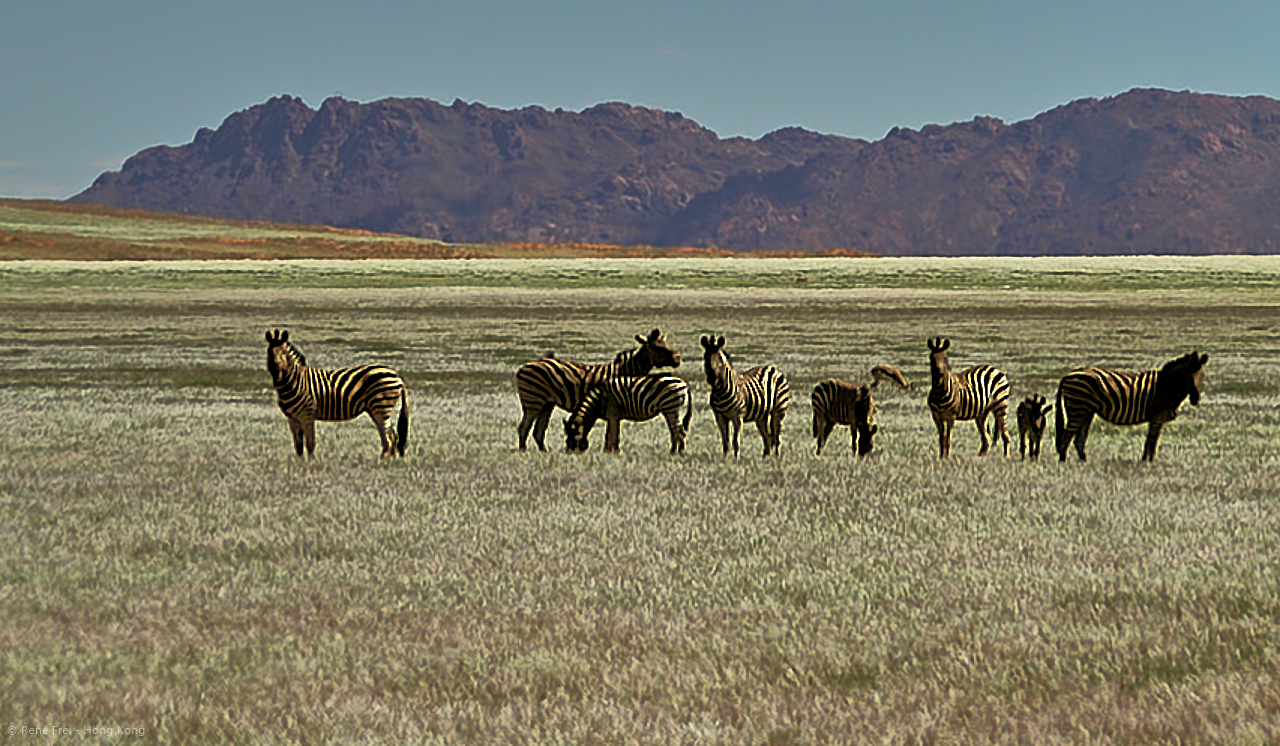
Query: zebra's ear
[720,343]
[1203,359]
[706,342]
[269,340]
[946,344]
[655,335]
[284,336]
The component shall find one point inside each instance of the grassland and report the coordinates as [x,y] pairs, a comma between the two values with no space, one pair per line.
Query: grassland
[166,563]
[43,230]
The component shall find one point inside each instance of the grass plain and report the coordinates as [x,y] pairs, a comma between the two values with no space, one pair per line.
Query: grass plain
[167,564]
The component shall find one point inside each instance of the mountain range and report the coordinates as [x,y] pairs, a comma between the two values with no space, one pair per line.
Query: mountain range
[1148,171]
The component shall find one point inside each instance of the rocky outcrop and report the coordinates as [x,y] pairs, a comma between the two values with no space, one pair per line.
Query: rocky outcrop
[1148,171]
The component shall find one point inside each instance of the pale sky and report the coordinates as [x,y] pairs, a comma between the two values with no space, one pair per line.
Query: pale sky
[84,85]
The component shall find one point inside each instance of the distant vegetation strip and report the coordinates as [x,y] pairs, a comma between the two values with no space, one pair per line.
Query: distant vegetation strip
[1158,279]
[41,229]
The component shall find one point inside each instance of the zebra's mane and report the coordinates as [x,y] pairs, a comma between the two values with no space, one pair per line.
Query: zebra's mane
[296,353]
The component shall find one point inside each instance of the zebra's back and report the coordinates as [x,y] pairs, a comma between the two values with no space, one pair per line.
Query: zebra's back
[561,382]
[640,398]
[1119,398]
[838,400]
[760,392]
[346,393]
[974,392]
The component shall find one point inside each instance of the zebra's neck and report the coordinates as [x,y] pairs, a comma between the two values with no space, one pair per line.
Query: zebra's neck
[590,409]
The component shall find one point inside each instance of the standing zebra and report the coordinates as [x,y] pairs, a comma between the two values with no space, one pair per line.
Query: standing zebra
[971,395]
[837,402]
[631,398]
[1032,416]
[1126,399]
[547,383]
[309,394]
[761,395]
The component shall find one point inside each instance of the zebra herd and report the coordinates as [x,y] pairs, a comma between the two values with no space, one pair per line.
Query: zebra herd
[628,389]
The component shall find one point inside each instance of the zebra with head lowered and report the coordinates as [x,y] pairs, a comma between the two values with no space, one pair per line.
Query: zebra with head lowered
[837,402]
[548,382]
[760,395]
[971,395]
[631,398]
[1126,399]
[308,394]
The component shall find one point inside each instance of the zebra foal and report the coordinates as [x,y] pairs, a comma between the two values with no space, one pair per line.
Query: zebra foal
[760,395]
[1032,416]
[308,394]
[548,382]
[631,398]
[970,395]
[837,402]
[1126,399]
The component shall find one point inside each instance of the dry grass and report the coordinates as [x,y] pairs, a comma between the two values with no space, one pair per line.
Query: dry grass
[166,562]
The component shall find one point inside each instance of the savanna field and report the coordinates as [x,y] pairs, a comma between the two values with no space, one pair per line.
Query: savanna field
[170,569]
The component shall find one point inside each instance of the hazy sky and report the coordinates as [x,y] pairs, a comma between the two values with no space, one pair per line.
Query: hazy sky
[83,85]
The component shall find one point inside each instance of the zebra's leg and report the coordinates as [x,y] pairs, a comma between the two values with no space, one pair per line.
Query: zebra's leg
[673,425]
[1153,437]
[944,435]
[1082,435]
[295,427]
[722,422]
[526,422]
[611,435]
[762,425]
[540,427]
[737,436]
[981,422]
[775,430]
[1022,445]
[1002,428]
[823,431]
[309,433]
[388,438]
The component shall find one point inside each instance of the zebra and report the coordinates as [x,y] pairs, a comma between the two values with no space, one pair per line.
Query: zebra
[548,382]
[970,395]
[882,373]
[631,398]
[1032,414]
[308,394]
[837,402]
[760,395]
[1126,399]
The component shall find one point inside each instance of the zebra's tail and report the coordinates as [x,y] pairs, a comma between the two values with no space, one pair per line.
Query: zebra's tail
[1059,425]
[402,424]
[688,413]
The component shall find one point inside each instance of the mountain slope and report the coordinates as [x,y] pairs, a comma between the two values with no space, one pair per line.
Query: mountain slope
[1148,171]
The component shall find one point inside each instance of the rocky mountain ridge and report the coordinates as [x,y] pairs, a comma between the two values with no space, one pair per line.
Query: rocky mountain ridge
[1147,171]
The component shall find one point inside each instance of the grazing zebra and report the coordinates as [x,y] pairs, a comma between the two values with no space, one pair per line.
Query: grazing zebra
[1126,399]
[547,383]
[971,395]
[1032,414]
[309,394]
[837,402]
[761,395]
[884,373]
[631,398]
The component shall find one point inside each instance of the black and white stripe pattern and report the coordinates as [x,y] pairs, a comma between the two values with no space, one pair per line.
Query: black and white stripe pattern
[837,402]
[631,398]
[308,394]
[548,382]
[1126,399]
[970,395]
[760,395]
